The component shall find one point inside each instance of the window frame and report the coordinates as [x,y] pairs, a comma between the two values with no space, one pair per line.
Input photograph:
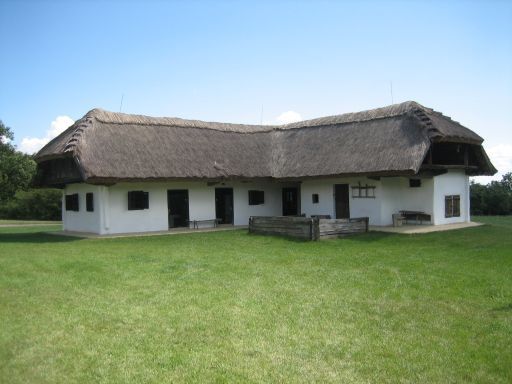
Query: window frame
[89,202]
[256,197]
[315,198]
[138,200]
[451,206]
[72,202]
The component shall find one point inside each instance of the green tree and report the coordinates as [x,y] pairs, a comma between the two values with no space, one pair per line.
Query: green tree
[507,181]
[16,169]
[494,198]
[34,204]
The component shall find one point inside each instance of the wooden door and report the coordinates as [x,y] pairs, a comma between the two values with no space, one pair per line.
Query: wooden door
[177,204]
[290,201]
[224,205]
[341,201]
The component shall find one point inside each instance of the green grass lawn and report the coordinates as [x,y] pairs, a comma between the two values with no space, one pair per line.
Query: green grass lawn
[230,307]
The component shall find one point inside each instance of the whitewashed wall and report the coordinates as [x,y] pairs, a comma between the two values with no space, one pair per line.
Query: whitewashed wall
[455,182]
[111,214]
[242,209]
[398,196]
[145,220]
[359,207]
[81,221]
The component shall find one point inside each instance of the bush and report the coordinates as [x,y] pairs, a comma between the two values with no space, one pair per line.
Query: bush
[492,199]
[34,204]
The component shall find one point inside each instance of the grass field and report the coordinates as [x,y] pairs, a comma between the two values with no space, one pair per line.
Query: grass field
[230,307]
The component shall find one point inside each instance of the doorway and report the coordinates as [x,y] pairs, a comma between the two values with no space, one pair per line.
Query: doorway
[341,201]
[177,208]
[290,201]
[224,205]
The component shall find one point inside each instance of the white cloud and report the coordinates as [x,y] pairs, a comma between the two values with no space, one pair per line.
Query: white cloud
[5,140]
[501,157]
[33,144]
[288,117]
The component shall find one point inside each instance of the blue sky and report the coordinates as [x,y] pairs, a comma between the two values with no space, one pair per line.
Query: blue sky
[229,61]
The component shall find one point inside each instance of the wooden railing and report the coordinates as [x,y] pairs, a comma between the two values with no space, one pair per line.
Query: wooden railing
[306,228]
[329,228]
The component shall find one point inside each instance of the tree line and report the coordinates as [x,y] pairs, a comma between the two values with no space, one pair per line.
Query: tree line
[18,200]
[494,198]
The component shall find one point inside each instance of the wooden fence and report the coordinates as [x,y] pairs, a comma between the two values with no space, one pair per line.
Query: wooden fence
[306,228]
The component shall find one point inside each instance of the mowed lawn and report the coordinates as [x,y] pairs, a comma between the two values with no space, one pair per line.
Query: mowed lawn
[231,307]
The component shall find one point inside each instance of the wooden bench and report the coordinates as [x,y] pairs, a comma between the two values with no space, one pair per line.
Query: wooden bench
[197,223]
[416,216]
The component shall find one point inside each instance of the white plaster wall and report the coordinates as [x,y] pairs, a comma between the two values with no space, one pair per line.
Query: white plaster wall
[201,200]
[398,196]
[455,182]
[359,207]
[81,221]
[242,209]
[201,204]
[118,219]
[111,214]
[121,220]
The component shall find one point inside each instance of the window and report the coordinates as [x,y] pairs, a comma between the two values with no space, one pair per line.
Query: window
[315,198]
[72,202]
[138,200]
[363,191]
[452,206]
[89,202]
[256,197]
[414,183]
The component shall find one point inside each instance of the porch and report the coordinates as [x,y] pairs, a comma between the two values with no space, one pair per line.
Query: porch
[414,229]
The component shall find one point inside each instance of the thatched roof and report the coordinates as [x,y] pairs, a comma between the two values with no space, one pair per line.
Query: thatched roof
[109,146]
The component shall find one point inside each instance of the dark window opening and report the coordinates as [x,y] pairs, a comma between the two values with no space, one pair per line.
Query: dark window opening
[414,183]
[89,202]
[256,197]
[315,198]
[452,154]
[452,206]
[138,200]
[72,202]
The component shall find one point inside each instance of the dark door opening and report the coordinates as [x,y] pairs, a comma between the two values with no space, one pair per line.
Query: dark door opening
[177,207]
[224,205]
[341,201]
[290,201]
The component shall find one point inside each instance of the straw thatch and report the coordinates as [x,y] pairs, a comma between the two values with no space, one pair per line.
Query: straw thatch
[110,146]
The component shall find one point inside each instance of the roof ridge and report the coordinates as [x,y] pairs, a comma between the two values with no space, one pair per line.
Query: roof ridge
[393,110]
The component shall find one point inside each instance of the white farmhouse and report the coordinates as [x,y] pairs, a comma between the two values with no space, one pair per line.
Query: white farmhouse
[124,173]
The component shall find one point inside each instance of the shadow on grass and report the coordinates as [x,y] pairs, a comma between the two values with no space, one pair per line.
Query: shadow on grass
[276,236]
[34,238]
[361,237]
